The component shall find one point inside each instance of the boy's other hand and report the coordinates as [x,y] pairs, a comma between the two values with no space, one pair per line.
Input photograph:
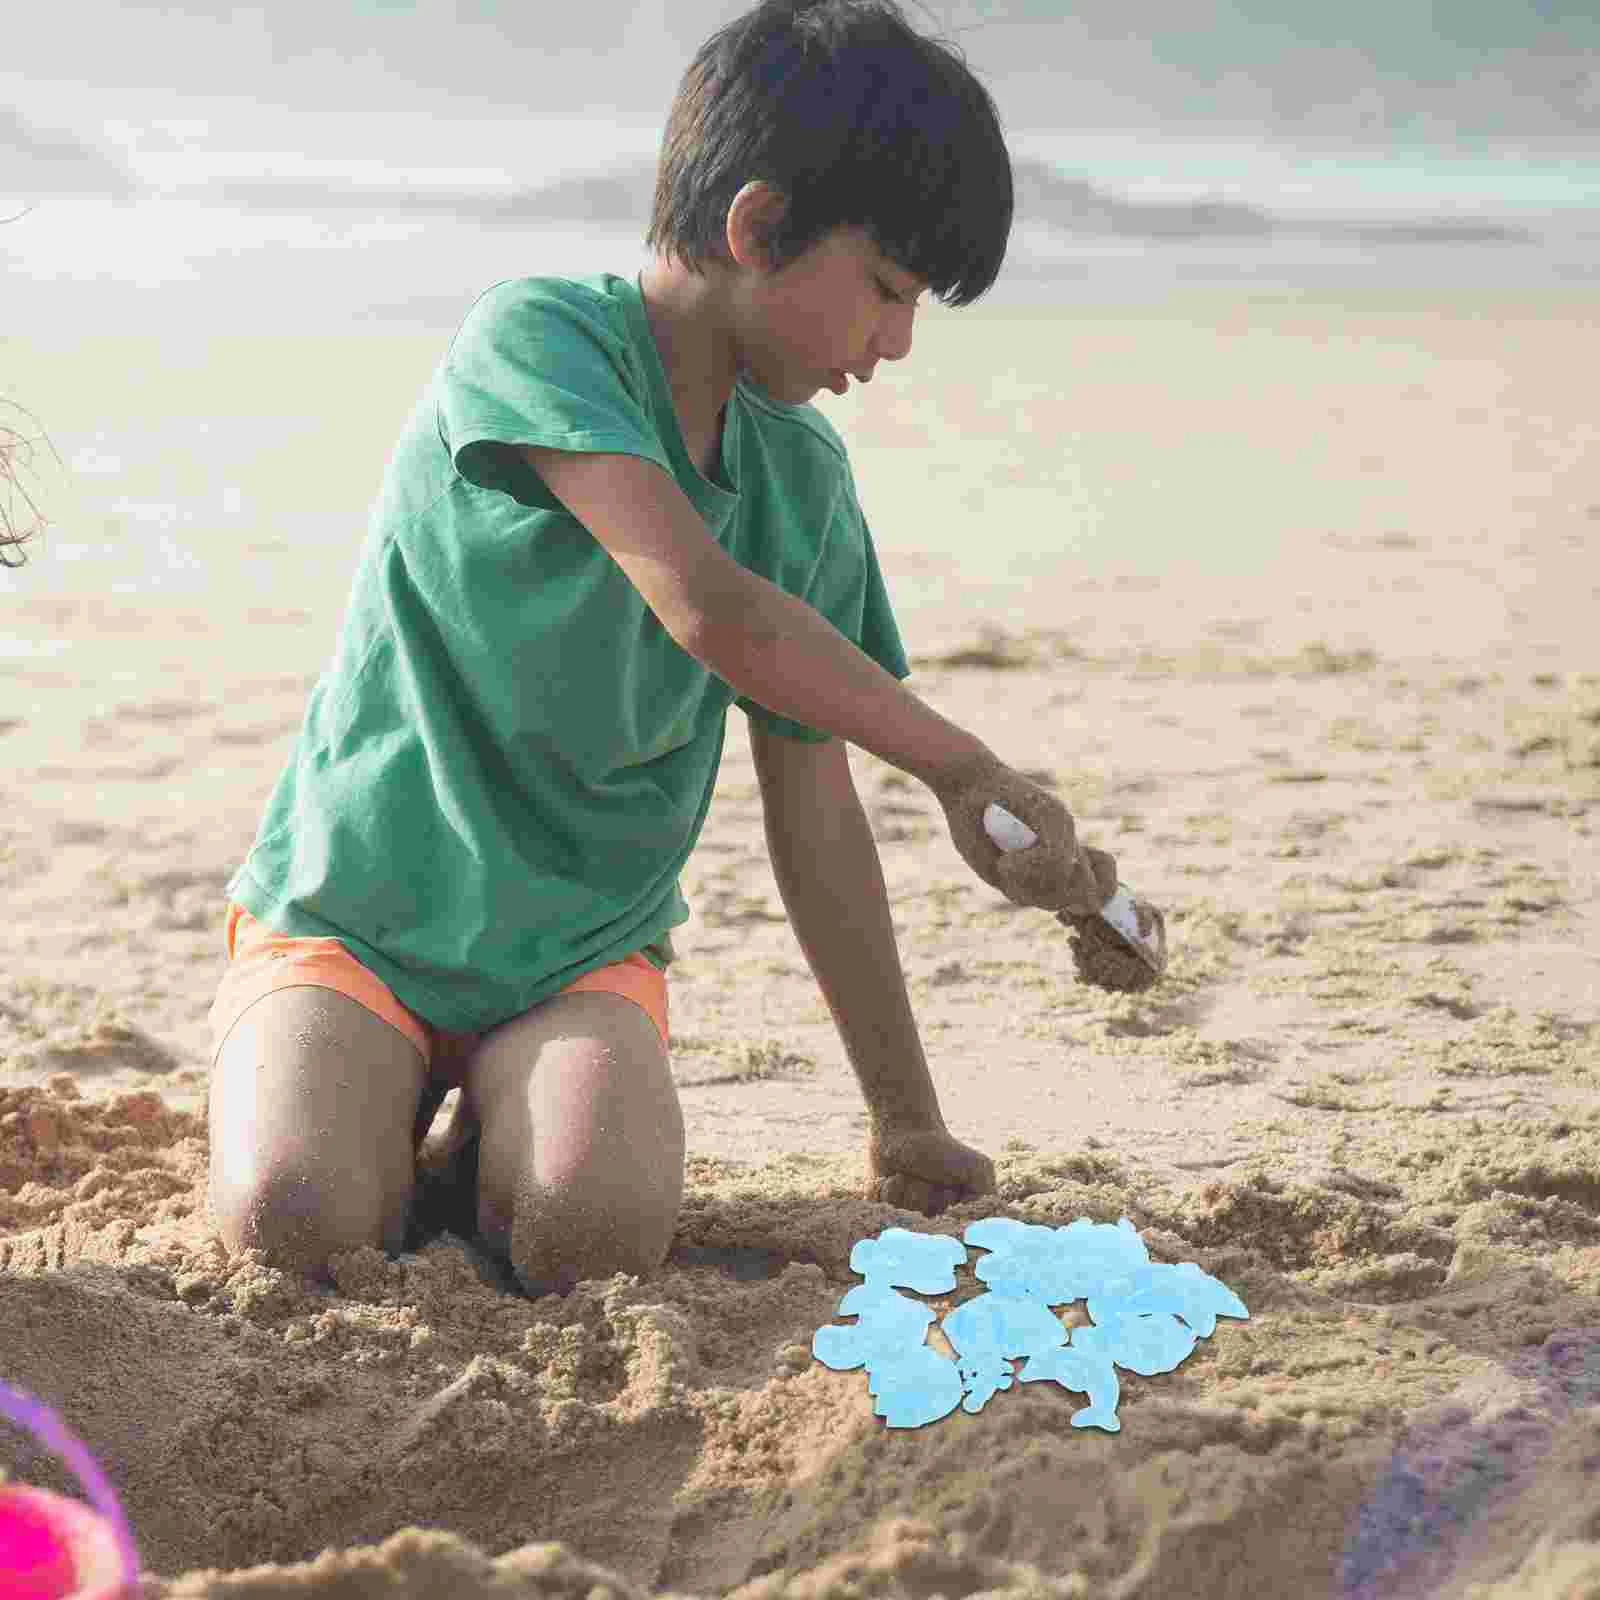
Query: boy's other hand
[924,1169]
[1056,873]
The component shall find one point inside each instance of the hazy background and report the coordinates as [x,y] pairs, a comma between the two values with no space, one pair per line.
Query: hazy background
[243,234]
[308,163]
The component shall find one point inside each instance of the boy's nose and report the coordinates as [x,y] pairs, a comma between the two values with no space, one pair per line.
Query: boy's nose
[896,344]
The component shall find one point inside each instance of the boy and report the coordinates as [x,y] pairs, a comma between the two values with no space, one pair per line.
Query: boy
[612,515]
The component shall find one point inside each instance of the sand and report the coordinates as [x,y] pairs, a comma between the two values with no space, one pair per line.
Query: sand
[1364,1096]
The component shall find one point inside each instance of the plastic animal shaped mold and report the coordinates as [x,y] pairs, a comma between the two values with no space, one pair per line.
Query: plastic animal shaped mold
[1135,1306]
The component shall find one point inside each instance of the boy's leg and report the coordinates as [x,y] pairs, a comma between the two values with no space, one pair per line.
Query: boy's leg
[580,1160]
[312,1105]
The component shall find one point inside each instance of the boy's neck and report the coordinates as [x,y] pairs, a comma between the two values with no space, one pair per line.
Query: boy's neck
[694,342]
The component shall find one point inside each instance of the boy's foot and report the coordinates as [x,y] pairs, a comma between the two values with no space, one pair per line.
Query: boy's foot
[446,1194]
[445,1199]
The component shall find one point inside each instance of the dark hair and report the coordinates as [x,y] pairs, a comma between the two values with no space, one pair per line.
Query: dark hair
[859,121]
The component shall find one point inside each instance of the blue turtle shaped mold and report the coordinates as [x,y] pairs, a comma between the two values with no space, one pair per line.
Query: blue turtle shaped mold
[911,1383]
[1134,1305]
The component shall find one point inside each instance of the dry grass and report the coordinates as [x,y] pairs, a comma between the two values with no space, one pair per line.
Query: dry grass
[15,446]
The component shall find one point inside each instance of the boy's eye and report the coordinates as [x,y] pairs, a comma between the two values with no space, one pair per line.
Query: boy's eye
[890,292]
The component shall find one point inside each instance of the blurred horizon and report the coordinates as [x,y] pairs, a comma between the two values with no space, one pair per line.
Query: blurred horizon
[200,208]
[367,160]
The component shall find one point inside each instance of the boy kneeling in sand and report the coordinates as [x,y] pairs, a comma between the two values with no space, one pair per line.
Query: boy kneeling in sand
[612,514]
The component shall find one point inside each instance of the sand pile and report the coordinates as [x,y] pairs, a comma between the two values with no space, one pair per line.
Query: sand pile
[1363,1098]
[1422,1358]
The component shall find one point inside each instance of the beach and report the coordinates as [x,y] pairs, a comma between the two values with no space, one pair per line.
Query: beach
[1290,596]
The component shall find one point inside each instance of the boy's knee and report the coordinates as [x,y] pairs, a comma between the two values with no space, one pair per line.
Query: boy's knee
[298,1222]
[550,1253]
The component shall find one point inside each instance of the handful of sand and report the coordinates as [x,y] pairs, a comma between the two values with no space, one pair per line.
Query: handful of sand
[1105,957]
[1118,941]
[1121,946]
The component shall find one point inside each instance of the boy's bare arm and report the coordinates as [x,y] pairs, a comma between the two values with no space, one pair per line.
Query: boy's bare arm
[765,643]
[650,529]
[781,652]
[777,650]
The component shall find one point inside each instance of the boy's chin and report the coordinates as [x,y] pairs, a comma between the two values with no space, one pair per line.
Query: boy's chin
[786,391]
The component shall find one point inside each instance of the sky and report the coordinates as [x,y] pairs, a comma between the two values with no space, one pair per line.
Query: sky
[1397,108]
[1478,74]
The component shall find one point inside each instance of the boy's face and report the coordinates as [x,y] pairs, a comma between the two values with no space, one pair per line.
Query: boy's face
[836,312]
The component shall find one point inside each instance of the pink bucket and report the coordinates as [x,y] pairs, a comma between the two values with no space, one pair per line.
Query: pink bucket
[53,1548]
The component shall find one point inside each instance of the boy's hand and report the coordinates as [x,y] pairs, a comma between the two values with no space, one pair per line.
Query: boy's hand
[924,1169]
[1056,873]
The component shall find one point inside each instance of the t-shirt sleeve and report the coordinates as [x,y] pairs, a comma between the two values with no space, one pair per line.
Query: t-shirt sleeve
[541,361]
[848,589]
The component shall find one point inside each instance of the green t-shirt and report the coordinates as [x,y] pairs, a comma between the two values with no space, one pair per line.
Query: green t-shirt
[505,766]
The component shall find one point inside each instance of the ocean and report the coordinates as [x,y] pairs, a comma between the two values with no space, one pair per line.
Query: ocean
[223,381]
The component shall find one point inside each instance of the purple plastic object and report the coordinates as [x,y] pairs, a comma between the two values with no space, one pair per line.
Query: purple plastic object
[29,1412]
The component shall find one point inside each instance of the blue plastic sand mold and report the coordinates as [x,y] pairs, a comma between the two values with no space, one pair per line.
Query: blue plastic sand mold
[1134,1304]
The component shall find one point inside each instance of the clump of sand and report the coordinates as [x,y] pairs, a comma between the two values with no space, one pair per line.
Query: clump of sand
[1422,1360]
[1102,957]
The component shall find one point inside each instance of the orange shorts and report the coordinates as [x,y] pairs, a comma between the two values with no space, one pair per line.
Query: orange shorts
[260,960]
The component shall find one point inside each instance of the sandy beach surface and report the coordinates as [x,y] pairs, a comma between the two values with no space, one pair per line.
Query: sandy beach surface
[1294,602]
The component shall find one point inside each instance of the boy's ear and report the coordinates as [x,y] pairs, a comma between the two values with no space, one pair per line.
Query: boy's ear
[753,217]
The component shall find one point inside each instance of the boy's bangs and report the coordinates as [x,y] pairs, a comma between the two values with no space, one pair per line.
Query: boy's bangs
[860,122]
[908,145]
